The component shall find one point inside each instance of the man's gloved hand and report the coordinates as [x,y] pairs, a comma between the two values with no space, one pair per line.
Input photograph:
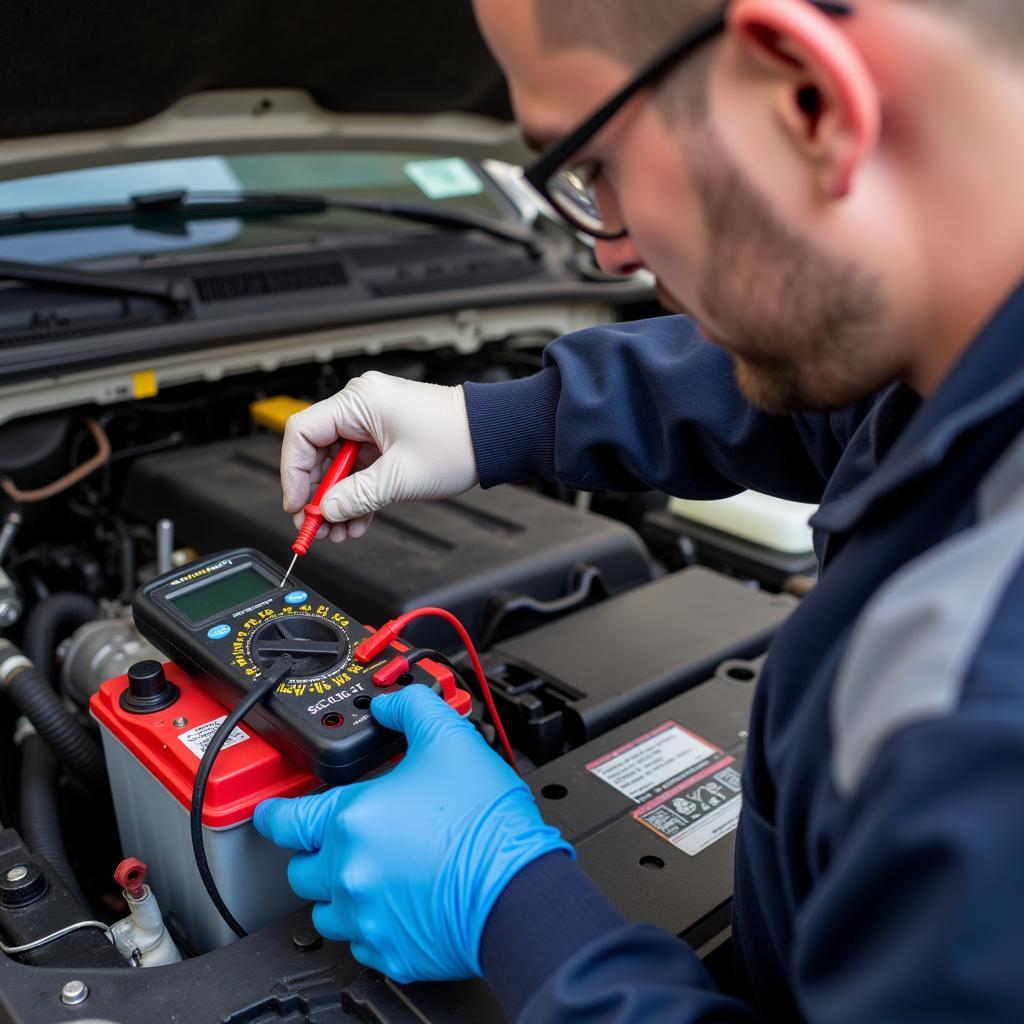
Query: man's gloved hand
[416,445]
[409,865]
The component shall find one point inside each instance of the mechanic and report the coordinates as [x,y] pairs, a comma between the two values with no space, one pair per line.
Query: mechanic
[833,194]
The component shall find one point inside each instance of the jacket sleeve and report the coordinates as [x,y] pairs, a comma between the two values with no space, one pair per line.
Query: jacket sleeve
[916,919]
[648,404]
[555,949]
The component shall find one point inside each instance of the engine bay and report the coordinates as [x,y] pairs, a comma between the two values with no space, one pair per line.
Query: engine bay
[105,498]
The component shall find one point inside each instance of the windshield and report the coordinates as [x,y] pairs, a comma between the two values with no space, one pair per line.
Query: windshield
[413,177]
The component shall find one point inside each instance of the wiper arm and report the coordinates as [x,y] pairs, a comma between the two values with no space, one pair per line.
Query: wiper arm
[167,289]
[421,213]
[150,208]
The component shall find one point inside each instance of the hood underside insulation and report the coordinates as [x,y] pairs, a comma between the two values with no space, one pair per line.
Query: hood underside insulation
[71,66]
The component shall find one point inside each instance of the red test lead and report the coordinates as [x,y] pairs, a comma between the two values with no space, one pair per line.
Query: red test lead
[340,467]
[374,645]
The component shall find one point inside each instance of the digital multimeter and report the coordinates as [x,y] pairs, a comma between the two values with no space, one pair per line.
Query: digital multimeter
[226,619]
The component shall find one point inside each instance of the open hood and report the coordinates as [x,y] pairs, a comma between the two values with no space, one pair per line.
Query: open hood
[132,81]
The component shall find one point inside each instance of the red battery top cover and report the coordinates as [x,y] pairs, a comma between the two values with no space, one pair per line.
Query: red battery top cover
[245,773]
[170,744]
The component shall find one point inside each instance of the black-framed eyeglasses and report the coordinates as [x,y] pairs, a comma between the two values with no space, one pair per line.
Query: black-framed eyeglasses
[566,183]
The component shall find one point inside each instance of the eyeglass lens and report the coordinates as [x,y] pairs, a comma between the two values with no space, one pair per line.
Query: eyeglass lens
[574,193]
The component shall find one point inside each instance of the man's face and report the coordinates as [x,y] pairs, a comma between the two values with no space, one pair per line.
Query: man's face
[803,325]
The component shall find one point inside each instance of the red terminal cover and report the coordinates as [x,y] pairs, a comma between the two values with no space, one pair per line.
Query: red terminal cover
[244,774]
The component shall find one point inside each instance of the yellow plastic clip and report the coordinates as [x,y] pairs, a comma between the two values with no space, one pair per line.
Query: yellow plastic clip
[272,413]
[144,384]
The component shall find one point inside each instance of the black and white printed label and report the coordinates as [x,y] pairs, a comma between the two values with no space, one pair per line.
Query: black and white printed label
[698,811]
[198,739]
[688,789]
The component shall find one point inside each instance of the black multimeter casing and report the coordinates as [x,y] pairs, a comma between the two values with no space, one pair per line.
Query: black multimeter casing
[226,648]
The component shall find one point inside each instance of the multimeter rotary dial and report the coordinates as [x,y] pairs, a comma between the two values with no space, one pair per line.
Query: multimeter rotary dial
[317,647]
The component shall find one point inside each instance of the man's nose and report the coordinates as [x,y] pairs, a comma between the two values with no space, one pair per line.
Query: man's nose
[618,255]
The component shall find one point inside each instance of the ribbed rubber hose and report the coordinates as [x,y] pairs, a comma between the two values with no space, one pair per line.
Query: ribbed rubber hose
[30,690]
[75,748]
[40,821]
[55,616]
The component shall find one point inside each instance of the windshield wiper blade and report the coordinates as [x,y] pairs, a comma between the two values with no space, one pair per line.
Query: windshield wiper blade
[149,209]
[152,208]
[167,289]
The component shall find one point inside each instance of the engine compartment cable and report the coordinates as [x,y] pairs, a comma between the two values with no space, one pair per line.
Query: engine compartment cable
[54,936]
[74,476]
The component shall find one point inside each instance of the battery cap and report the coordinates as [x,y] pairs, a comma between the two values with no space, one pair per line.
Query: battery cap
[148,690]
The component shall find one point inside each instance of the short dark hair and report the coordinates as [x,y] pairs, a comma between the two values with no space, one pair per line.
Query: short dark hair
[633,32]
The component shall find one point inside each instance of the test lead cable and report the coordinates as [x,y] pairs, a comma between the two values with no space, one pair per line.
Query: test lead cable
[263,685]
[374,645]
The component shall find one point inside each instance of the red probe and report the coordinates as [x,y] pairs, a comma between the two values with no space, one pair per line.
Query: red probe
[340,467]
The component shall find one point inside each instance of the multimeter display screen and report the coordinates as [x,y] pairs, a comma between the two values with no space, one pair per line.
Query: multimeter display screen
[220,594]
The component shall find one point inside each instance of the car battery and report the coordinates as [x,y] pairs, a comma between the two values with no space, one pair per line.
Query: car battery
[502,560]
[152,760]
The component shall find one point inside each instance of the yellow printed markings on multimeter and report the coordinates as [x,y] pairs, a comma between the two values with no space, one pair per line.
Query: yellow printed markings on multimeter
[315,636]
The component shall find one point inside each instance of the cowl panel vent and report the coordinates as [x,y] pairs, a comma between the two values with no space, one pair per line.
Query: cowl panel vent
[248,284]
[45,333]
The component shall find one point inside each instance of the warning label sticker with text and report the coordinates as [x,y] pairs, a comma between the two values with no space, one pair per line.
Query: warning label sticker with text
[688,789]
[198,739]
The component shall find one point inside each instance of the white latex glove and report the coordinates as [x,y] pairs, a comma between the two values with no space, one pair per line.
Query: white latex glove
[416,446]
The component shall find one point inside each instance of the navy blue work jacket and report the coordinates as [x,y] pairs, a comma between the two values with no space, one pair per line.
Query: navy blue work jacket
[880,847]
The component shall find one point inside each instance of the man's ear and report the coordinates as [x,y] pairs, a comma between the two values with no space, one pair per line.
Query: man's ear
[827,100]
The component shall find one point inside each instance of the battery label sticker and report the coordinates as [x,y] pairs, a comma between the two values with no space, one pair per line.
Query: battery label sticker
[444,179]
[198,739]
[698,811]
[688,789]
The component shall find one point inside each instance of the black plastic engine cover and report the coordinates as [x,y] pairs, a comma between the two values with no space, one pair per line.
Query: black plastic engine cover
[677,541]
[469,554]
[569,681]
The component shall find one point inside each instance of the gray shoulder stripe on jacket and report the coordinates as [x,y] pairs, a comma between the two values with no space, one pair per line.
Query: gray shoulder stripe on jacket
[916,638]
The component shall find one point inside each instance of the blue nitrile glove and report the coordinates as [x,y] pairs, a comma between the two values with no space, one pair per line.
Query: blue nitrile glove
[408,866]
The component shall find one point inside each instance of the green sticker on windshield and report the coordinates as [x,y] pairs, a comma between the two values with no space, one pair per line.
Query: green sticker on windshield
[444,179]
